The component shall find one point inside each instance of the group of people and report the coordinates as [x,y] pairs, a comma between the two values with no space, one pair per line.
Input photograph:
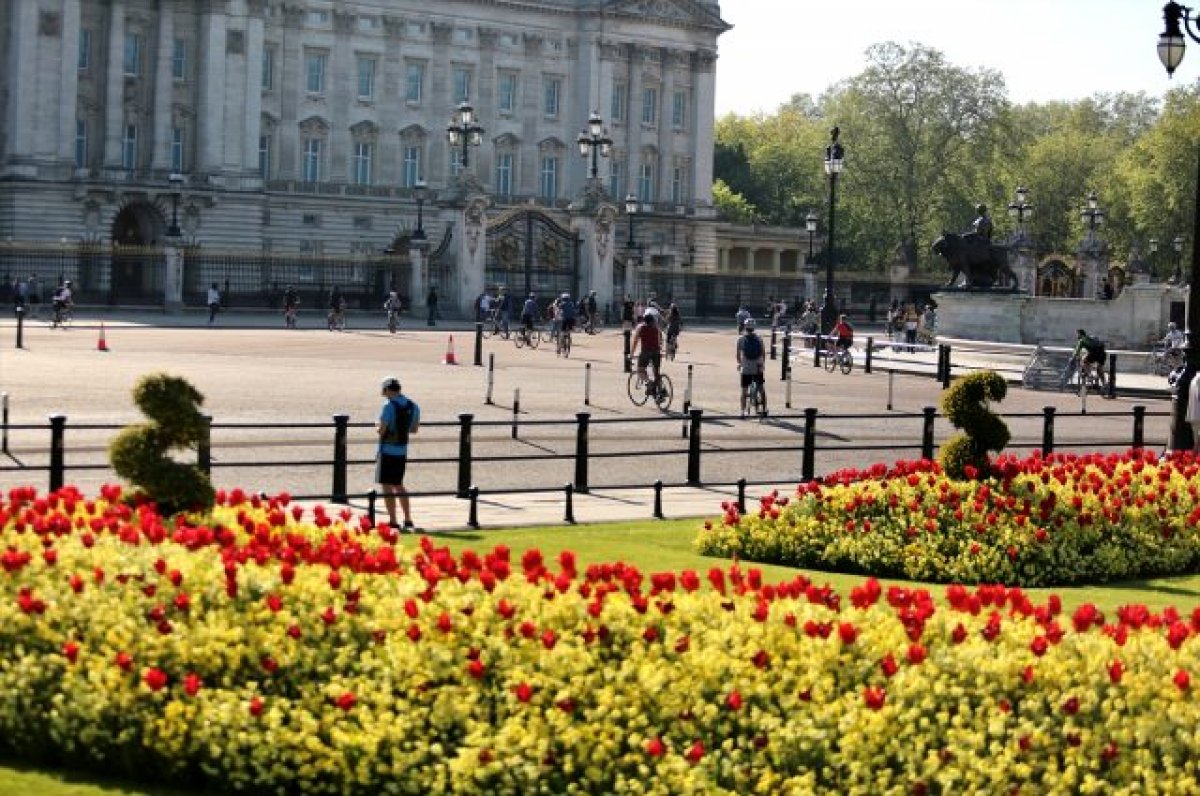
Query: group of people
[26,295]
[915,327]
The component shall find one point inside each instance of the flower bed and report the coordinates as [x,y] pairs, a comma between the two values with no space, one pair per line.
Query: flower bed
[271,649]
[1050,521]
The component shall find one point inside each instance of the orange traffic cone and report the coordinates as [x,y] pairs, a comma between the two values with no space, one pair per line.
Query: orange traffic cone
[101,345]
[450,359]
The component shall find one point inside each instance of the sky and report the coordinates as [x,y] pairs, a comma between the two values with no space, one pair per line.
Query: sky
[1045,49]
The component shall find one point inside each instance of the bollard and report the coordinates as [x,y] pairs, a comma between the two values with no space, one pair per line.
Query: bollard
[204,445]
[58,424]
[927,432]
[658,512]
[587,384]
[945,366]
[1139,426]
[491,371]
[785,367]
[4,419]
[464,454]
[1048,430]
[788,391]
[581,452]
[1112,376]
[473,511]
[20,327]
[818,344]
[569,495]
[478,344]
[808,458]
[628,365]
[941,361]
[741,485]
[870,350]
[516,410]
[371,497]
[773,356]
[693,464]
[687,402]
[340,426]
[891,378]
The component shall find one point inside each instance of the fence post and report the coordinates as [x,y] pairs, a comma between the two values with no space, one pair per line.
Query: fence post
[516,410]
[628,365]
[1048,430]
[58,425]
[478,344]
[581,452]
[587,384]
[204,445]
[945,366]
[870,346]
[473,512]
[569,495]
[773,354]
[1112,376]
[20,327]
[487,399]
[464,454]
[340,425]
[4,402]
[941,361]
[787,402]
[693,465]
[687,401]
[371,497]
[658,487]
[927,432]
[818,344]
[786,366]
[891,378]
[741,485]
[1139,426]
[808,459]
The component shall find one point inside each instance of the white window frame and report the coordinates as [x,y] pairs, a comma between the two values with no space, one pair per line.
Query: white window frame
[506,93]
[414,82]
[411,165]
[129,147]
[264,156]
[177,150]
[620,100]
[679,103]
[83,59]
[650,106]
[462,83]
[456,161]
[552,97]
[314,151]
[364,155]
[179,59]
[646,183]
[268,69]
[548,178]
[131,59]
[369,77]
[679,184]
[319,61]
[616,177]
[504,173]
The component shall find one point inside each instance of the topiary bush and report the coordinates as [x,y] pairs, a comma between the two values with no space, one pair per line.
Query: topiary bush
[139,453]
[965,404]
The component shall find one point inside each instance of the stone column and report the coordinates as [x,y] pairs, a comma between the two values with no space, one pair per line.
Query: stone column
[418,283]
[472,251]
[1022,260]
[704,99]
[633,151]
[1093,264]
[172,276]
[291,91]
[68,84]
[114,84]
[252,128]
[164,88]
[775,264]
[210,113]
[341,91]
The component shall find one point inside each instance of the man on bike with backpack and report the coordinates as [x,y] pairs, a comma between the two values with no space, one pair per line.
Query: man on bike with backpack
[1094,356]
[752,361]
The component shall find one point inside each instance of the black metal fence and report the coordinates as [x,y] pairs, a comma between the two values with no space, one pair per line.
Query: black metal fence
[691,430]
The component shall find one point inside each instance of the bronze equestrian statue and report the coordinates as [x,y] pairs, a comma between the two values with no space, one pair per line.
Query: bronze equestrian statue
[983,264]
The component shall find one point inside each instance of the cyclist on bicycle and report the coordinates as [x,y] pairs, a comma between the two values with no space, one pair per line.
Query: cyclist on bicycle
[589,306]
[337,309]
[392,305]
[291,303]
[528,312]
[648,338]
[62,301]
[751,360]
[674,324]
[568,311]
[1173,339]
[844,333]
[1094,355]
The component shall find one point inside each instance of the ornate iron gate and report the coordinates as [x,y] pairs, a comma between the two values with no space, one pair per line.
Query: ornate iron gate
[530,252]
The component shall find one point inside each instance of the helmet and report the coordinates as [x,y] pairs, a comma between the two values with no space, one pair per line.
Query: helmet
[1170,325]
[565,295]
[649,316]
[981,209]
[67,283]
[530,295]
[749,324]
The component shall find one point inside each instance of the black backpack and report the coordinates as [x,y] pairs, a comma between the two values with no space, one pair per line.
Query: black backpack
[752,346]
[398,433]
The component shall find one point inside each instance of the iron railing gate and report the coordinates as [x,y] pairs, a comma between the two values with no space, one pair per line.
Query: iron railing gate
[528,251]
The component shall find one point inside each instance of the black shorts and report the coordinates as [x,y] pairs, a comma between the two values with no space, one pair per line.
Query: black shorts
[751,378]
[1095,357]
[568,324]
[649,357]
[389,470]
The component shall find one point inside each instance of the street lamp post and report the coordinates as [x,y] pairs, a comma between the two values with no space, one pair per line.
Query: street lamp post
[1170,51]
[834,154]
[1020,209]
[176,180]
[1091,213]
[631,248]
[810,224]
[594,141]
[1152,244]
[1177,244]
[631,209]
[463,131]
[418,239]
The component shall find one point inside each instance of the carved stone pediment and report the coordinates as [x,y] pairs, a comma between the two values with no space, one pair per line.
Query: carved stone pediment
[678,12]
[314,125]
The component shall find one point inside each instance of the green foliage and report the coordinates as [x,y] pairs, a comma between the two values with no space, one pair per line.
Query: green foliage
[139,452]
[965,404]
[732,206]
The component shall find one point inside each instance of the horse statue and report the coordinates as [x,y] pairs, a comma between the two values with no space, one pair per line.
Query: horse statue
[981,263]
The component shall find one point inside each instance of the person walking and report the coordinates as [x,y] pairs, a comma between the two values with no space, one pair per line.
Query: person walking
[627,313]
[214,302]
[431,302]
[399,418]
[911,321]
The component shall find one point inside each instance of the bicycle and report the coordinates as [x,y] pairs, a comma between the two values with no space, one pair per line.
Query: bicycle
[563,347]
[642,389]
[527,336]
[393,320]
[672,346]
[1164,359]
[1089,378]
[289,318]
[837,356]
[494,327]
[62,317]
[592,325]
[755,400]
[336,320]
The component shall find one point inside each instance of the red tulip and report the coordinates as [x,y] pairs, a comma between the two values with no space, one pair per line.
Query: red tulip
[734,701]
[874,697]
[695,753]
[256,706]
[155,679]
[346,701]
[523,691]
[192,684]
[655,747]
[70,651]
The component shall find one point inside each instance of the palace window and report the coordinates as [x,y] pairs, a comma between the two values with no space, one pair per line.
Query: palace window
[129,147]
[364,153]
[133,54]
[179,60]
[314,65]
[312,159]
[366,78]
[549,181]
[507,101]
[414,81]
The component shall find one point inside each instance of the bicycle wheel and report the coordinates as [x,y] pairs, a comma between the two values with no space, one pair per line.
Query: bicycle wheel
[392,322]
[535,337]
[637,389]
[671,346]
[564,344]
[664,393]
[754,398]
[520,338]
[847,360]
[830,361]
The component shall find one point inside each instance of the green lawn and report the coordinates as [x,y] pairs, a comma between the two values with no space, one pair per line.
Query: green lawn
[652,546]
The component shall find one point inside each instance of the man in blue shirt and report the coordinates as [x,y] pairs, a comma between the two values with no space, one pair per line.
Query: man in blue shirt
[400,417]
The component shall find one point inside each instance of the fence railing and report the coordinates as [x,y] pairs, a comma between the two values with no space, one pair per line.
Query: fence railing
[799,437]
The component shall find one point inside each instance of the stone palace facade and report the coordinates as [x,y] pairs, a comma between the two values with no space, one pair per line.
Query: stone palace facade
[293,126]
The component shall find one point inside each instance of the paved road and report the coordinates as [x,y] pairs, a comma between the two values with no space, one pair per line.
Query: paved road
[252,372]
